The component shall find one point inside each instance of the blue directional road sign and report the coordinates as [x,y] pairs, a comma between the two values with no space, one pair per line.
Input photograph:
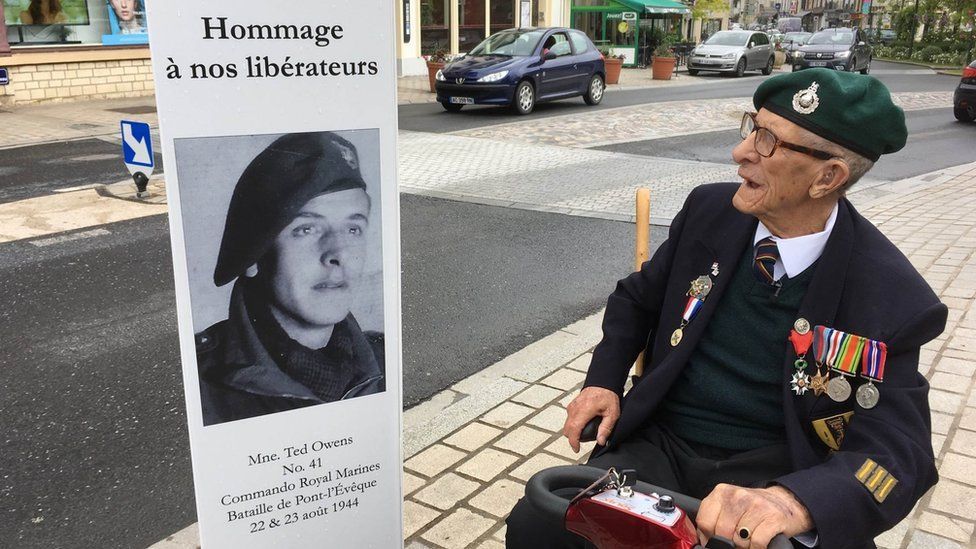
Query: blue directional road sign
[137,147]
[4,76]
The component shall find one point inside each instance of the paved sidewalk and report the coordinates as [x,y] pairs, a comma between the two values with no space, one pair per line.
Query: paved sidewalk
[469,450]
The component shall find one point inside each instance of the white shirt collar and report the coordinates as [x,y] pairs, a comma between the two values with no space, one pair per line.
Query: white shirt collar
[797,253]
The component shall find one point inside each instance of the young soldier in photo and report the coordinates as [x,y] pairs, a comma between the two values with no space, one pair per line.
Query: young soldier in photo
[295,241]
[781,333]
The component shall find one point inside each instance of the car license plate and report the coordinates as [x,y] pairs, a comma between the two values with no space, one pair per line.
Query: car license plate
[462,100]
[710,61]
[818,63]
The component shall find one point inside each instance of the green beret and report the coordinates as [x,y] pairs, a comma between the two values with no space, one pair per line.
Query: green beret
[852,110]
[274,187]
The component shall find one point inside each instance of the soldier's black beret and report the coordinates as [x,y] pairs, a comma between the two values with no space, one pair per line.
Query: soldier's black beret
[273,188]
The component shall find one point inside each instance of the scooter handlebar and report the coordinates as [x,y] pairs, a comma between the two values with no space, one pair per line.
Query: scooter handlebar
[542,486]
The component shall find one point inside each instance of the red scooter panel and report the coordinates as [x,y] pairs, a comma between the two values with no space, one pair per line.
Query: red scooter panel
[612,521]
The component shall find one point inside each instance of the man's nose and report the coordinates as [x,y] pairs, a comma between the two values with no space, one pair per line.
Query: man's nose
[333,248]
[745,150]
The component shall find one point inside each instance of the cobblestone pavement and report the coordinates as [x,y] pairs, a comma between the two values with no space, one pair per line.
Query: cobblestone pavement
[653,121]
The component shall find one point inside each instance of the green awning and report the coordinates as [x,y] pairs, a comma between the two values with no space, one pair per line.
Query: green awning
[656,6]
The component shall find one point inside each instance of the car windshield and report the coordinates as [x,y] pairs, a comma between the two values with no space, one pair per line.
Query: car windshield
[511,43]
[729,38]
[797,37]
[832,38]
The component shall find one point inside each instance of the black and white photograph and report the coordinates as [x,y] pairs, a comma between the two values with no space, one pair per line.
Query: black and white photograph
[283,243]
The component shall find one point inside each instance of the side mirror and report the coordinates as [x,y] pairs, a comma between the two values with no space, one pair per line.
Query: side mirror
[548,55]
[751,45]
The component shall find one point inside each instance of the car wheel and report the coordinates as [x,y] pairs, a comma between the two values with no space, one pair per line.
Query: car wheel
[964,115]
[740,68]
[524,100]
[451,107]
[769,67]
[692,72]
[594,94]
[867,68]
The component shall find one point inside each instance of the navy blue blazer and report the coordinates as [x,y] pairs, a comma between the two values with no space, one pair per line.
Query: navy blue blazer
[863,285]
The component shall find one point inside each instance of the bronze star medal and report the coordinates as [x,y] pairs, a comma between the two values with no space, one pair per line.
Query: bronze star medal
[818,382]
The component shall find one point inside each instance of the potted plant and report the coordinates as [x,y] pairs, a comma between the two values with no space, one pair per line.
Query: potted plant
[779,56]
[612,63]
[662,61]
[435,62]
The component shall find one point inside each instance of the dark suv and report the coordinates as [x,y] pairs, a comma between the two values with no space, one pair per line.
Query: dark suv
[842,49]
[964,99]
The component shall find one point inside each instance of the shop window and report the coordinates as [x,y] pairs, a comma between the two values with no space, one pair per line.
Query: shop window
[591,23]
[472,24]
[57,22]
[502,15]
[435,26]
[578,3]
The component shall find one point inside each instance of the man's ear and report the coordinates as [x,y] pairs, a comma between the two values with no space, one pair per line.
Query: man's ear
[833,176]
[251,271]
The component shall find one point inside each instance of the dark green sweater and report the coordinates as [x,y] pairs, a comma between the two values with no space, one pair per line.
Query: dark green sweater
[730,394]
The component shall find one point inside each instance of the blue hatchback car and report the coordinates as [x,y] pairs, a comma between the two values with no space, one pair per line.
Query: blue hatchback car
[521,67]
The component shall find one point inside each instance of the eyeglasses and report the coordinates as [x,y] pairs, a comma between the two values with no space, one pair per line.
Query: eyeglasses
[766,141]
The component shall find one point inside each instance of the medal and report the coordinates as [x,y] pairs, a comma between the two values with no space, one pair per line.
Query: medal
[843,356]
[802,326]
[867,396]
[715,269]
[801,344]
[872,367]
[800,383]
[819,381]
[700,287]
[838,389]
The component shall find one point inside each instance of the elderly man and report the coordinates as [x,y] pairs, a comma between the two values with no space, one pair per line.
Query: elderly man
[295,241]
[782,334]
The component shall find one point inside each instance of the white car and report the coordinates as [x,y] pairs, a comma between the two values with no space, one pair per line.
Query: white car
[735,51]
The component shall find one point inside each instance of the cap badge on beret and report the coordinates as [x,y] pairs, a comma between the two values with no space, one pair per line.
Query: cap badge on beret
[806,101]
[348,155]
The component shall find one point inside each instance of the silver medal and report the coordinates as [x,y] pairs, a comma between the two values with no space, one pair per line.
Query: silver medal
[867,396]
[802,326]
[838,389]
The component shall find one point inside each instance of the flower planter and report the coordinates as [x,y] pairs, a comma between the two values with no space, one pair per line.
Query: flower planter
[779,57]
[613,66]
[662,67]
[432,69]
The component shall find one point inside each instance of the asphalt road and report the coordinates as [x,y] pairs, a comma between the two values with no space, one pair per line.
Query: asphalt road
[433,118]
[935,140]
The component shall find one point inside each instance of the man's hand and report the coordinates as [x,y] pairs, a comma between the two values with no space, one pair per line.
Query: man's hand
[763,512]
[590,403]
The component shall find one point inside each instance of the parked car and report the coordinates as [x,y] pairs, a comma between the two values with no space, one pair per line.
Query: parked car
[880,36]
[733,51]
[522,67]
[964,98]
[792,42]
[843,49]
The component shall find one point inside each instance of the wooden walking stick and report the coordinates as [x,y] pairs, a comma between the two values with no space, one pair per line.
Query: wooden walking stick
[642,247]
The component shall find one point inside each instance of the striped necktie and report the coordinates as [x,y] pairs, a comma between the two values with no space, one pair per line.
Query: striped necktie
[766,256]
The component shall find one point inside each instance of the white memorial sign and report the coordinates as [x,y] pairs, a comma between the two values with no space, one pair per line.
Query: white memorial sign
[279,141]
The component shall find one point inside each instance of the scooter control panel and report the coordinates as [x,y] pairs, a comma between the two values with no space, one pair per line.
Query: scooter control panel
[643,505]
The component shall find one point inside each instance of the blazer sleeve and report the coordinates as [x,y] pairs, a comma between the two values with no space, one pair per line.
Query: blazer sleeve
[633,311]
[890,441]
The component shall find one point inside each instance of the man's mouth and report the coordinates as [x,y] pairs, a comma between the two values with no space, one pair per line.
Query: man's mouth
[749,183]
[330,285]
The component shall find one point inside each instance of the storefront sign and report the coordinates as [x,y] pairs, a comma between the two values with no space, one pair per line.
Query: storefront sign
[278,131]
[406,21]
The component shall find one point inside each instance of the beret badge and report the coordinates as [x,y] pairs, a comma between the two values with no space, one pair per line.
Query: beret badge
[806,101]
[348,155]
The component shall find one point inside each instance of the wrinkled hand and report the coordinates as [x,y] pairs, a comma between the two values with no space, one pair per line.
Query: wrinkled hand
[590,403]
[764,511]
